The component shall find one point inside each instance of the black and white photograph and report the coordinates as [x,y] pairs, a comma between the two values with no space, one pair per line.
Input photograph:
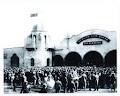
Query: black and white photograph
[61,46]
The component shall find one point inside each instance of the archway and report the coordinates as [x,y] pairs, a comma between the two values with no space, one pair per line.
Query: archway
[111,58]
[14,60]
[73,59]
[93,58]
[58,60]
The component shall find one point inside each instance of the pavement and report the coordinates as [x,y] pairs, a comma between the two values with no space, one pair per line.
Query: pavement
[9,90]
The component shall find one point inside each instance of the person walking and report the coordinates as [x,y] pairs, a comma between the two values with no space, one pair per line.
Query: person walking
[57,86]
[25,87]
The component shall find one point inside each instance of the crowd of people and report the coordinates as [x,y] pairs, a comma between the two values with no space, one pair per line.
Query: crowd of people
[61,79]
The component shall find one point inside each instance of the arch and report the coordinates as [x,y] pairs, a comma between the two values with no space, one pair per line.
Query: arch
[111,58]
[14,60]
[92,58]
[58,60]
[73,59]
[32,62]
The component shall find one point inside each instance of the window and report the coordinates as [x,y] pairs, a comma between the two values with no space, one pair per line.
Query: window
[48,61]
[39,37]
[35,38]
[32,62]
[5,56]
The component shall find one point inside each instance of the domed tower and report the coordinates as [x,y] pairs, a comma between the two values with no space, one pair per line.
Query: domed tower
[36,45]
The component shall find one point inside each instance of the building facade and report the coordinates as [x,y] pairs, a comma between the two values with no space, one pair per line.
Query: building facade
[33,54]
[89,48]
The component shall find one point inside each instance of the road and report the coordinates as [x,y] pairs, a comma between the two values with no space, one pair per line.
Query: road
[9,90]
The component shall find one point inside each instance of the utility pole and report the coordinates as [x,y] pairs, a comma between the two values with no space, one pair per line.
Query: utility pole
[68,38]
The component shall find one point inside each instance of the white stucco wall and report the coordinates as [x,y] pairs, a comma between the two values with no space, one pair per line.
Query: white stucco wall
[19,51]
[41,54]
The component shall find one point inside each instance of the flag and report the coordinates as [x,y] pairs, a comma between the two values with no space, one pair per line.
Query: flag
[34,15]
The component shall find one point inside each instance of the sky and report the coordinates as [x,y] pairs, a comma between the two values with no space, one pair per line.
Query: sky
[57,17]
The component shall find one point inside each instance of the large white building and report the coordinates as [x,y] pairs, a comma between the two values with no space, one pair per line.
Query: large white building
[91,47]
[34,53]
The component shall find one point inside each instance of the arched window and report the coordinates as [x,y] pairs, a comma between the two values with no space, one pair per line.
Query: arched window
[48,61]
[39,37]
[5,56]
[35,38]
[32,62]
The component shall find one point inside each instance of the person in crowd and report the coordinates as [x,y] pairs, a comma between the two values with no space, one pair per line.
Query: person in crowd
[25,87]
[96,81]
[23,78]
[84,76]
[15,82]
[89,82]
[80,81]
[37,78]
[27,74]
[50,83]
[113,81]
[70,78]
[12,77]
[64,82]
[102,79]
[76,84]
[44,88]
[9,78]
[34,79]
[57,85]
[72,86]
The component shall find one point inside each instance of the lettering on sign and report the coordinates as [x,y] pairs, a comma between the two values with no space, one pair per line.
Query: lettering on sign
[93,43]
[93,36]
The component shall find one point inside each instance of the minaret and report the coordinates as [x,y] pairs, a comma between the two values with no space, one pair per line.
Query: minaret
[36,45]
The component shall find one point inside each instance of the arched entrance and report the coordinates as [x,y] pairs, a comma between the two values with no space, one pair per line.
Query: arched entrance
[73,59]
[111,58]
[93,58]
[58,60]
[14,61]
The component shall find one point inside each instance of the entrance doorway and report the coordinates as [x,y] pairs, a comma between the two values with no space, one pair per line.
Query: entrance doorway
[93,58]
[111,59]
[14,61]
[73,59]
[58,60]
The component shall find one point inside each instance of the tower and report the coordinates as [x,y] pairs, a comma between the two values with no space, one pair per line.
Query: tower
[36,45]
